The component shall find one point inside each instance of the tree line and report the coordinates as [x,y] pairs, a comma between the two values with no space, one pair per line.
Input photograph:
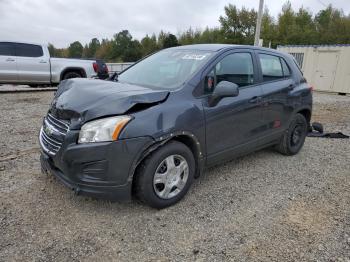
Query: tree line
[237,26]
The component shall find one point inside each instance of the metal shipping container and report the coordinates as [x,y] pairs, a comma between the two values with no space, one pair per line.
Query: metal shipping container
[326,67]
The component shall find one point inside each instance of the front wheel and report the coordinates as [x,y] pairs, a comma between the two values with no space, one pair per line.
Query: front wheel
[294,137]
[165,176]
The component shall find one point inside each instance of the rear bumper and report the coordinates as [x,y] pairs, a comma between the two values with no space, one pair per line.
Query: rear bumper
[99,170]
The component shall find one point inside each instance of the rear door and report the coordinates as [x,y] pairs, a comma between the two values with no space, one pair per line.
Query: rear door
[233,125]
[8,63]
[277,82]
[33,66]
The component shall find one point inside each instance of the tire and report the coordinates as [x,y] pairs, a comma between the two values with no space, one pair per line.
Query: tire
[153,178]
[294,137]
[72,74]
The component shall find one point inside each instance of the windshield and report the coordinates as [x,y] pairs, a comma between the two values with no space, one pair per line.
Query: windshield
[166,69]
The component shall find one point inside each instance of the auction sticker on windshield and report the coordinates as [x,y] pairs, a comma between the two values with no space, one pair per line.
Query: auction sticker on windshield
[195,56]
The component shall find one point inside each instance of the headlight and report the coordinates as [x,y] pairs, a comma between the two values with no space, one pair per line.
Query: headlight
[102,130]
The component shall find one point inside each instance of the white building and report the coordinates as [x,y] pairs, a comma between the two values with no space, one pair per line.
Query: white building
[326,67]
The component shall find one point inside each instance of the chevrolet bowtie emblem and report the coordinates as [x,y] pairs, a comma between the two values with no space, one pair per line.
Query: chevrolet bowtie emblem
[48,130]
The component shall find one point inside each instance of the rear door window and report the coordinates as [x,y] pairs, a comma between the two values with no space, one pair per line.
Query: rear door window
[28,50]
[271,67]
[7,49]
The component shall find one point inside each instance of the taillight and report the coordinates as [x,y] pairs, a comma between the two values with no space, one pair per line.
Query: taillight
[95,66]
[311,88]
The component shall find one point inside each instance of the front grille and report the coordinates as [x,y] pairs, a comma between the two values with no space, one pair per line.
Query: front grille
[61,125]
[52,134]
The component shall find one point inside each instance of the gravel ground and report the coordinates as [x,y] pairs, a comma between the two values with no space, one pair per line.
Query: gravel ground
[24,88]
[261,207]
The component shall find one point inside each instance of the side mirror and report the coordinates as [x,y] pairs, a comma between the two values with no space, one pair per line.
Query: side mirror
[223,89]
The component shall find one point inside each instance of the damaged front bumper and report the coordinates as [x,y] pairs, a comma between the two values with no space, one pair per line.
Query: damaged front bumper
[100,170]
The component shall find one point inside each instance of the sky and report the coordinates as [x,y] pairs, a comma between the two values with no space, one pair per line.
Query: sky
[61,22]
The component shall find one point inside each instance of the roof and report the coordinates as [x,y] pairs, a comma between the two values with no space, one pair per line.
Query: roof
[22,42]
[205,47]
[326,45]
[218,47]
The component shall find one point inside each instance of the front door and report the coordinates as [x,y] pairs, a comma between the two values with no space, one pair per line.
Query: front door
[33,66]
[233,125]
[8,63]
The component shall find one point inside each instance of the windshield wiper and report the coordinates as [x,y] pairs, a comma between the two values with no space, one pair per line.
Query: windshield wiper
[113,77]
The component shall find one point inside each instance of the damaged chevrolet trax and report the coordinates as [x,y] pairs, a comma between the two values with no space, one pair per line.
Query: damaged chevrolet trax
[152,129]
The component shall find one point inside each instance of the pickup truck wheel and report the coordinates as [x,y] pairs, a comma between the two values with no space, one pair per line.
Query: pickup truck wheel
[294,137]
[71,75]
[165,176]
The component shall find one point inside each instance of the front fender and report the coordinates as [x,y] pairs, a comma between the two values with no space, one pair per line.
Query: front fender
[174,116]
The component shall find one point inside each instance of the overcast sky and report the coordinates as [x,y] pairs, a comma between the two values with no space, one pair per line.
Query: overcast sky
[63,21]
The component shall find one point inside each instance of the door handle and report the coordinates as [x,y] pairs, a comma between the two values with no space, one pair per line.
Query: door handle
[255,99]
[10,60]
[42,62]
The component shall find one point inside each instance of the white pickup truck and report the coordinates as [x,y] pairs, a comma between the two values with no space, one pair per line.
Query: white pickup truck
[31,64]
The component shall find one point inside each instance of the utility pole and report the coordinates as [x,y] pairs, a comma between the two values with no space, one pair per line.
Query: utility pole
[258,23]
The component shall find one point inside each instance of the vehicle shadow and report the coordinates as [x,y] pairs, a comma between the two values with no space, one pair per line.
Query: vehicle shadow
[221,176]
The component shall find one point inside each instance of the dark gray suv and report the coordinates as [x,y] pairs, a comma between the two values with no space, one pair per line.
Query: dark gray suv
[156,126]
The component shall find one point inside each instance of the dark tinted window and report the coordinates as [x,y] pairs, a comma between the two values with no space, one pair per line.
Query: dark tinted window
[7,49]
[236,68]
[28,50]
[286,71]
[271,67]
[297,65]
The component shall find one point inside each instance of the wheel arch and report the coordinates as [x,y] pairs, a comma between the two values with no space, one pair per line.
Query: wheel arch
[79,70]
[188,139]
[306,112]
[193,144]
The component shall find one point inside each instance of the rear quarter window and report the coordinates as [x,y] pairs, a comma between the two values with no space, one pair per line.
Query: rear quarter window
[285,67]
[28,50]
[297,65]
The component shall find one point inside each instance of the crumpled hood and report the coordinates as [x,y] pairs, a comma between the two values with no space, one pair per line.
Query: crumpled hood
[87,99]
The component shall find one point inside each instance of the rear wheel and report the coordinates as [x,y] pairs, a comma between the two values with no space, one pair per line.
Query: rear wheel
[294,137]
[70,75]
[165,176]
